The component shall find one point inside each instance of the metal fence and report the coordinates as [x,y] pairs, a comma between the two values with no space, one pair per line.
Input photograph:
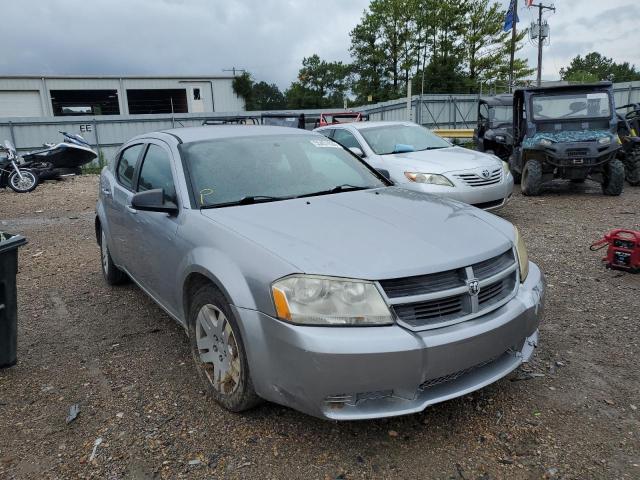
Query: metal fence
[107,133]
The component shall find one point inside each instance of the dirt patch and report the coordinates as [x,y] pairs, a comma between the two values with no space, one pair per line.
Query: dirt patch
[128,367]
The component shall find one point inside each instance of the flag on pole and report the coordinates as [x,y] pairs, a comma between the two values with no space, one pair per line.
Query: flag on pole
[511,16]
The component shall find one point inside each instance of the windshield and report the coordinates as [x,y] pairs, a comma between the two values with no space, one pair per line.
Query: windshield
[271,167]
[571,106]
[401,138]
[500,115]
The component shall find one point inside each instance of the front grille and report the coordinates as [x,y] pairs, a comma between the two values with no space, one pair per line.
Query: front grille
[430,312]
[435,282]
[485,205]
[577,152]
[481,180]
[447,296]
[432,382]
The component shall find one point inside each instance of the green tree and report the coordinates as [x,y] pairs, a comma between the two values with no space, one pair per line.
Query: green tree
[595,66]
[320,84]
[267,97]
[488,47]
[243,87]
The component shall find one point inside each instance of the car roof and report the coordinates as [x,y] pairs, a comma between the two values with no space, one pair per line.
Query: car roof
[212,132]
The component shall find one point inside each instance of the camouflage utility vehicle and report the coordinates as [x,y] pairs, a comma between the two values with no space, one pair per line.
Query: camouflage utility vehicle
[567,132]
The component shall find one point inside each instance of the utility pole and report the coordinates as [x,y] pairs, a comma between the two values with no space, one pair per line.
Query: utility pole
[541,35]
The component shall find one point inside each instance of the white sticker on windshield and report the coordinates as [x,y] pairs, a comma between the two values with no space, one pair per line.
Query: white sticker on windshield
[324,143]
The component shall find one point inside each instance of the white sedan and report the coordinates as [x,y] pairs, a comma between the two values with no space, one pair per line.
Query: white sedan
[415,158]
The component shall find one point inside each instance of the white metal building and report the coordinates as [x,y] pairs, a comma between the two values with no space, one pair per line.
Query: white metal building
[70,95]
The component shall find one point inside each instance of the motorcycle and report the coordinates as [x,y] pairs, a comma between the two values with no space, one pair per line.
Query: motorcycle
[18,178]
[61,159]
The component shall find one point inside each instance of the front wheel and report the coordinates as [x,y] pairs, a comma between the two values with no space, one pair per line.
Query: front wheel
[532,178]
[27,183]
[632,169]
[613,178]
[218,350]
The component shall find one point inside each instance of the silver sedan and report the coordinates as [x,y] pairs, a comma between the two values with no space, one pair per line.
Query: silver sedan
[415,158]
[302,277]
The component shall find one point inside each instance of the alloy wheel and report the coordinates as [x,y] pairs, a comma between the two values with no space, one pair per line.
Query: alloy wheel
[218,349]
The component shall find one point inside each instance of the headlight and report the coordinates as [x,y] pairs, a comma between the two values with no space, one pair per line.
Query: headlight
[604,140]
[430,178]
[545,142]
[328,301]
[523,256]
[505,167]
[500,138]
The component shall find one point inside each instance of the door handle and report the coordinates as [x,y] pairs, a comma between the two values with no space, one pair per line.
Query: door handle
[131,209]
[106,191]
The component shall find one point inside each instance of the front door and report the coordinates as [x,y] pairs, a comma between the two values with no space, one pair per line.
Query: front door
[120,213]
[154,244]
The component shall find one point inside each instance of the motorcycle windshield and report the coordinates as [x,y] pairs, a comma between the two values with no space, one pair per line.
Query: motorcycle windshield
[9,146]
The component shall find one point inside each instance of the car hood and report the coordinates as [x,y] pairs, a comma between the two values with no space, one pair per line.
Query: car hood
[370,234]
[567,136]
[444,160]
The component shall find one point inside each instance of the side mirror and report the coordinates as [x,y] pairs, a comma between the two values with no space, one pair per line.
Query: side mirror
[357,151]
[153,201]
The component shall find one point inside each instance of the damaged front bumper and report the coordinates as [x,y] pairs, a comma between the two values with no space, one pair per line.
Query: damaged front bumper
[372,372]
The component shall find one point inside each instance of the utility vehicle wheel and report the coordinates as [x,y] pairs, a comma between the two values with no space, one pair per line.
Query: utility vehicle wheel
[112,274]
[613,178]
[27,183]
[218,351]
[632,168]
[532,178]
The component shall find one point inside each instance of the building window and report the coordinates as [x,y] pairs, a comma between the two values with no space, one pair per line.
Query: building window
[157,101]
[85,102]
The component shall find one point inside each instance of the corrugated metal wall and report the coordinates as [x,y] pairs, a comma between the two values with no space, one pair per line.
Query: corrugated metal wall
[216,93]
[108,132]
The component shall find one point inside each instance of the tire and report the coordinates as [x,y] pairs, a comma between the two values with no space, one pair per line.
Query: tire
[613,178]
[532,178]
[632,168]
[218,350]
[112,274]
[27,184]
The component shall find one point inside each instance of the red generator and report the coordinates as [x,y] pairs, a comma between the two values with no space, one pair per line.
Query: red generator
[624,250]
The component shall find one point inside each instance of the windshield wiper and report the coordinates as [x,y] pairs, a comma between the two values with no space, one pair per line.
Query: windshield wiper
[337,189]
[248,200]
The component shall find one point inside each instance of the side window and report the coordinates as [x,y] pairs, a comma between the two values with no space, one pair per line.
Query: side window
[127,165]
[156,172]
[345,138]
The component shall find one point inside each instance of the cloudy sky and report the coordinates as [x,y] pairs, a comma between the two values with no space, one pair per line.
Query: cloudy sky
[267,37]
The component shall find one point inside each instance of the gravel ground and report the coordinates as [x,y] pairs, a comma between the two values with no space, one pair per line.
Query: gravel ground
[572,413]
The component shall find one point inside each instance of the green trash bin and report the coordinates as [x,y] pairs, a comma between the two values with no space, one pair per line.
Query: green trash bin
[8,299]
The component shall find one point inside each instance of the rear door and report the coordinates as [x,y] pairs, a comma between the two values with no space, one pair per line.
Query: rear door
[119,209]
[154,243]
